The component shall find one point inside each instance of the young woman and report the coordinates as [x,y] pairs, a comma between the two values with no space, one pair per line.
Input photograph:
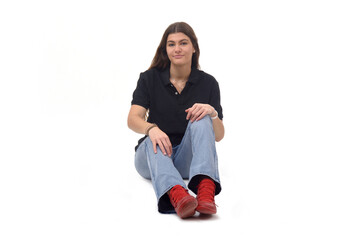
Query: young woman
[184,121]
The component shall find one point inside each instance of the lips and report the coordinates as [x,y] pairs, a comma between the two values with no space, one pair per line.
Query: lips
[178,56]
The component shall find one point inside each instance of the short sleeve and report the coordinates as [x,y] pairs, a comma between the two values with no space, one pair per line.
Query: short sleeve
[215,99]
[141,93]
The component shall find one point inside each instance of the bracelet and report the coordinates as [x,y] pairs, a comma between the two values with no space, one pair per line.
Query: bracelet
[149,128]
[215,116]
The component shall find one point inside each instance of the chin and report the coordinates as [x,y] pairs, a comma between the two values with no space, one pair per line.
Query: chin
[180,63]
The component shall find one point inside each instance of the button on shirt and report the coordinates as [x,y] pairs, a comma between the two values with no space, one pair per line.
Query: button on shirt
[167,106]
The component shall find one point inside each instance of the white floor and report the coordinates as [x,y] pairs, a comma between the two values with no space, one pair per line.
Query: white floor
[71,176]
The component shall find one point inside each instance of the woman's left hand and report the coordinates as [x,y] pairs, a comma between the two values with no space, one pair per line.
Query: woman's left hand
[198,111]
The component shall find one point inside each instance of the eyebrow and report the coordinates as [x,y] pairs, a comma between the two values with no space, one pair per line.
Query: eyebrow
[179,41]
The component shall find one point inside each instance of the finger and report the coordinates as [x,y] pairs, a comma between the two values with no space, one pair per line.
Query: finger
[188,113]
[161,146]
[168,147]
[154,147]
[201,116]
[191,112]
[196,113]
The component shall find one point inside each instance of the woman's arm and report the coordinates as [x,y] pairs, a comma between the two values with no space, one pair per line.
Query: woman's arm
[198,111]
[136,122]
[136,119]
[218,129]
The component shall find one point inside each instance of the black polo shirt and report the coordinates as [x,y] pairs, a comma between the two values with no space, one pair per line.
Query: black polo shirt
[155,92]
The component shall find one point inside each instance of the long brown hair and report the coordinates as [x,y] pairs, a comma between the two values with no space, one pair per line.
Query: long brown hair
[161,59]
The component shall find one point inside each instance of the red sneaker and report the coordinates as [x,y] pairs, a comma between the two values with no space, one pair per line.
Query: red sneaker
[183,202]
[205,197]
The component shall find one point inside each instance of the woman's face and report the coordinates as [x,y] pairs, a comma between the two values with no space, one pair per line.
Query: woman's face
[179,49]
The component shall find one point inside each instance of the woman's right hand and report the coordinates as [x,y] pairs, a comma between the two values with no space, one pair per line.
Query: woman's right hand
[160,138]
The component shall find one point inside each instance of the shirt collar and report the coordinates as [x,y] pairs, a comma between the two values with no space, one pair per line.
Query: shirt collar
[193,78]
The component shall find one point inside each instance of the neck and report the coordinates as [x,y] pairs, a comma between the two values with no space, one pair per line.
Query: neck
[180,73]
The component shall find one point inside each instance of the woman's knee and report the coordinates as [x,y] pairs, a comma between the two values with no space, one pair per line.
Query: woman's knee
[142,168]
[204,123]
[141,164]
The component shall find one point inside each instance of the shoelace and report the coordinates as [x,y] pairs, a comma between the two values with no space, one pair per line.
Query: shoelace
[206,192]
[177,193]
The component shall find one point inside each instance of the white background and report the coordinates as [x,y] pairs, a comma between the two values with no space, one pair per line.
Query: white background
[289,77]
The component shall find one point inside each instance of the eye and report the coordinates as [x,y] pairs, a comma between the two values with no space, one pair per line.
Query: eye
[184,43]
[171,44]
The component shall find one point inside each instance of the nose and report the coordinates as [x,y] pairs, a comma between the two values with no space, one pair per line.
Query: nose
[177,48]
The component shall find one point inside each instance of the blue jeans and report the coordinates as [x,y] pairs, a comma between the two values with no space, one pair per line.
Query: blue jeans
[192,159]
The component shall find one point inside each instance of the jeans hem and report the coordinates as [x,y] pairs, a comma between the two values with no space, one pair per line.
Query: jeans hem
[164,204]
[195,180]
